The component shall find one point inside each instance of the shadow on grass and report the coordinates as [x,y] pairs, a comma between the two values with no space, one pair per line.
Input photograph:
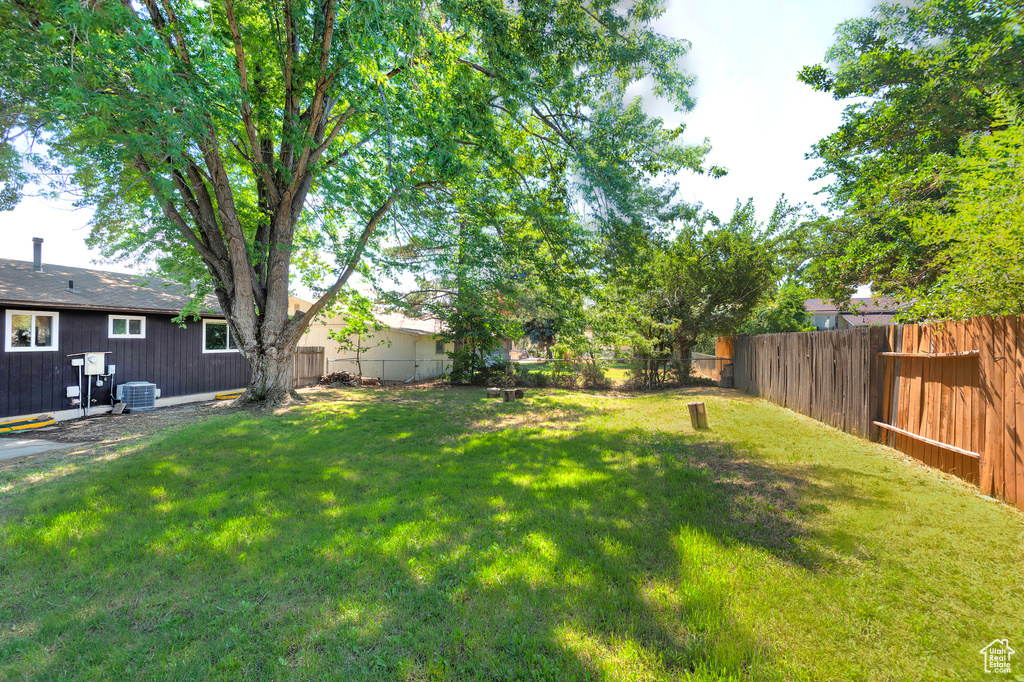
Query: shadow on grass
[422,535]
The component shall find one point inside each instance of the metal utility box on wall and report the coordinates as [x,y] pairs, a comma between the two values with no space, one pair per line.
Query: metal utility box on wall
[94,364]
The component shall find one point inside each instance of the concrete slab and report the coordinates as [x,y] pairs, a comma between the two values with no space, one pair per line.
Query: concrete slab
[22,447]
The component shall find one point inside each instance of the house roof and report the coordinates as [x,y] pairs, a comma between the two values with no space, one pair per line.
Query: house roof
[21,285]
[393,321]
[410,325]
[874,305]
[868,320]
[999,645]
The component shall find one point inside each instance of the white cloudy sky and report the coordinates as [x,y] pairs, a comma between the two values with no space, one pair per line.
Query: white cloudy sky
[761,121]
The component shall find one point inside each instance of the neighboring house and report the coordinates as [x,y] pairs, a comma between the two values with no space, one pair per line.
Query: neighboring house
[52,313]
[862,312]
[412,349]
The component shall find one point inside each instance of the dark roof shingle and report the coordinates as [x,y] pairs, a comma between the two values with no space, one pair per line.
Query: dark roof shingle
[20,284]
[866,306]
[881,319]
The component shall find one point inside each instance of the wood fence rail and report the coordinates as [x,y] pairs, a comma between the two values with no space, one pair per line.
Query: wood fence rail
[950,395]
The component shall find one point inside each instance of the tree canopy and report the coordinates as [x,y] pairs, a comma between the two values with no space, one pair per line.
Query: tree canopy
[979,242]
[701,279]
[708,281]
[922,79]
[234,141]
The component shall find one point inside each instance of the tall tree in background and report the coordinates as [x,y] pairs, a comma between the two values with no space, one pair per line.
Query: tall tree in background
[979,242]
[704,280]
[230,139]
[708,281]
[921,78]
[782,310]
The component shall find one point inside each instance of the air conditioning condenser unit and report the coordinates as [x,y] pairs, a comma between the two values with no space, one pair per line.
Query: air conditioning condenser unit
[138,395]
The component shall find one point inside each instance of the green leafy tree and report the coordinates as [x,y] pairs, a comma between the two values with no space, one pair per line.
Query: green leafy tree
[478,322]
[234,140]
[498,260]
[979,242]
[921,78]
[704,281]
[361,327]
[709,281]
[782,311]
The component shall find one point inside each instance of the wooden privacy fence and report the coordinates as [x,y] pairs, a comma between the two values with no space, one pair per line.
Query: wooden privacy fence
[834,377]
[309,365]
[950,395]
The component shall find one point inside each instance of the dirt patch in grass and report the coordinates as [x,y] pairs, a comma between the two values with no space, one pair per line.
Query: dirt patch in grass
[114,431]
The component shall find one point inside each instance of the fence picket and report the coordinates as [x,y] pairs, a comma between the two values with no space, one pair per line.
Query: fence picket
[1009,420]
[1019,412]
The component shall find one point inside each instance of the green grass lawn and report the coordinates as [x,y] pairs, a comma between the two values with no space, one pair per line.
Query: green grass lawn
[616,372]
[414,534]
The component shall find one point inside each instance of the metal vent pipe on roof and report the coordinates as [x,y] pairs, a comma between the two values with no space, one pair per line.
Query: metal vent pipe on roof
[37,254]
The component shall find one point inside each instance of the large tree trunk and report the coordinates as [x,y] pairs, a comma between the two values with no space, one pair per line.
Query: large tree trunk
[272,377]
[683,347]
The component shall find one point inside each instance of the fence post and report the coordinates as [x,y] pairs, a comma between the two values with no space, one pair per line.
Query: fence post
[993,406]
[877,387]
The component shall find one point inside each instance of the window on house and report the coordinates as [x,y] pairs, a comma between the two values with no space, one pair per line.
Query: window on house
[126,327]
[439,348]
[27,330]
[217,337]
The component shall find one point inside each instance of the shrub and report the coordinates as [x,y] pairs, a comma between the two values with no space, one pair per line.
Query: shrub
[650,373]
[594,376]
[469,368]
[565,374]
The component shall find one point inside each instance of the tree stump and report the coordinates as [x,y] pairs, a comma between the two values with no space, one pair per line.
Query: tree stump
[519,393]
[493,392]
[698,417]
[509,394]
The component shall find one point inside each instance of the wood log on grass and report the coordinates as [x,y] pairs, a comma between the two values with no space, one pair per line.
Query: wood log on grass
[698,417]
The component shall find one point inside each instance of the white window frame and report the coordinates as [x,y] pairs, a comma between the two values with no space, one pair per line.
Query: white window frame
[110,327]
[54,331]
[229,349]
[444,347]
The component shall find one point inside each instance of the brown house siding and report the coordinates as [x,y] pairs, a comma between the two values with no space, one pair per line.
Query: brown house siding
[169,356]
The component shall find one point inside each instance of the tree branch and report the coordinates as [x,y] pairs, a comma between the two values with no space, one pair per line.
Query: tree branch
[250,128]
[477,67]
[299,323]
[176,219]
